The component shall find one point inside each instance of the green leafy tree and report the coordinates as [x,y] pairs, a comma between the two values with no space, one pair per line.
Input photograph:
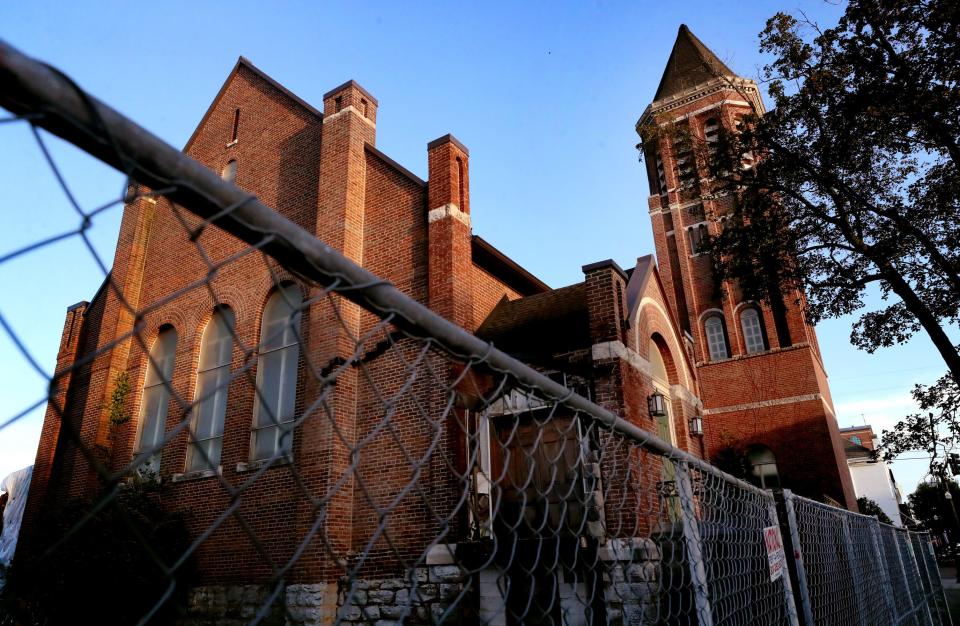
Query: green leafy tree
[934,429]
[930,507]
[850,185]
[870,507]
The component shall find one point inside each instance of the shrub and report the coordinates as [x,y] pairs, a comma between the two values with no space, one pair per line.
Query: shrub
[105,567]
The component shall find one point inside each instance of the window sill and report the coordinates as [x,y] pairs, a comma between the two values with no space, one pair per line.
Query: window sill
[250,466]
[232,143]
[197,475]
[741,357]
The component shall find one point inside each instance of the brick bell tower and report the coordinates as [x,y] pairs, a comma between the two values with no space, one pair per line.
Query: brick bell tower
[762,380]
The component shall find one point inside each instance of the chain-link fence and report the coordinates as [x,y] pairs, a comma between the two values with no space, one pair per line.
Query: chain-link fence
[339,453]
[852,569]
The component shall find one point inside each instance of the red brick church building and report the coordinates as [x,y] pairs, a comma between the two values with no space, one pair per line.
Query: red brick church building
[755,381]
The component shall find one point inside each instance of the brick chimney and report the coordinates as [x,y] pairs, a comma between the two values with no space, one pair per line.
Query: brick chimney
[349,123]
[448,203]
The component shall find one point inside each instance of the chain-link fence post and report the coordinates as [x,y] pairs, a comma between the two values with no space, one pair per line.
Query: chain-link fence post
[851,565]
[787,576]
[926,578]
[692,542]
[796,557]
[903,572]
[921,602]
[884,567]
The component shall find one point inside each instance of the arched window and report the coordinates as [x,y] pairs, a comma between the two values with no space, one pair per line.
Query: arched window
[229,172]
[155,399]
[210,400]
[273,413]
[857,440]
[763,467]
[753,335]
[657,365]
[716,338]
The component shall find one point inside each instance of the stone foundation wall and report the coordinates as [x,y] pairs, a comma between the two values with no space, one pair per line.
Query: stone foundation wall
[392,600]
[632,579]
[421,601]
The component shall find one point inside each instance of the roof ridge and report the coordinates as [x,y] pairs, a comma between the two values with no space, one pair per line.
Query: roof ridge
[276,84]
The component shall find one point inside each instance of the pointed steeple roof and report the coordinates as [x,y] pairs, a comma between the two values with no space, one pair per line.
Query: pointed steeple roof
[690,64]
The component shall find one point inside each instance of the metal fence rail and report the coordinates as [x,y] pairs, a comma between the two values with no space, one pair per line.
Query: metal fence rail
[410,472]
[852,569]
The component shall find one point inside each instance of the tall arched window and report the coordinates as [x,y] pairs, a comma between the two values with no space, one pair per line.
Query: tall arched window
[716,338]
[753,335]
[763,467]
[156,398]
[210,400]
[273,413]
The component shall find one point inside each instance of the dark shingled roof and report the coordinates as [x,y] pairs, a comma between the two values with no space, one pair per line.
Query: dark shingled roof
[690,64]
[538,326]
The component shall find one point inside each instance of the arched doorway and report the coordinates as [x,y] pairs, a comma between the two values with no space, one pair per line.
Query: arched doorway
[661,365]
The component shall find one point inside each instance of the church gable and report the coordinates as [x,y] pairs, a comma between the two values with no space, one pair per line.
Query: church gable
[264,138]
[650,315]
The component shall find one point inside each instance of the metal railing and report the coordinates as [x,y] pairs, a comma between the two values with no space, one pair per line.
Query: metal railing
[420,475]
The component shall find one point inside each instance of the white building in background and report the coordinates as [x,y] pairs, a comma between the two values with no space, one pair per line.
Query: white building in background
[16,486]
[871,477]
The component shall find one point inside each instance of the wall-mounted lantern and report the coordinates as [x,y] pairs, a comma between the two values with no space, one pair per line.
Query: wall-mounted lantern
[696,425]
[657,404]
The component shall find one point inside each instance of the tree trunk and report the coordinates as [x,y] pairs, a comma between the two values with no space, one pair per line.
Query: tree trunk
[923,314]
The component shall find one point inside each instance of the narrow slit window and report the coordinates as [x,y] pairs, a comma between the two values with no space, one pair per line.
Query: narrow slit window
[462,188]
[661,174]
[236,126]
[711,132]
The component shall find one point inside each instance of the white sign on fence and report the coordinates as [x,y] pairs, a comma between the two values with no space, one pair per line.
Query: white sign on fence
[776,558]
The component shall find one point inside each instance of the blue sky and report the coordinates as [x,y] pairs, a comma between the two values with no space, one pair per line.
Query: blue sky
[545,95]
